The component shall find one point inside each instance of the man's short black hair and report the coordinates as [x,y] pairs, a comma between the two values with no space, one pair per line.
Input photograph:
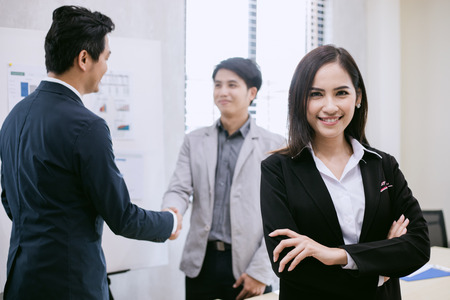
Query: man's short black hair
[245,68]
[74,29]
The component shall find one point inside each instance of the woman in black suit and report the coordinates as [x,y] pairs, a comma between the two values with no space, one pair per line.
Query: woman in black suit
[329,200]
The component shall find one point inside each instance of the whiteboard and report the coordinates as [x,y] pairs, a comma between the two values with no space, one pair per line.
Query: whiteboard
[141,61]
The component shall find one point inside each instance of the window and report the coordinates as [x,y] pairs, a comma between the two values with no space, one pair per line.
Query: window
[317,19]
[274,33]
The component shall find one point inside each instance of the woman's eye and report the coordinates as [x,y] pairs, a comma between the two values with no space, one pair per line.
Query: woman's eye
[342,93]
[315,94]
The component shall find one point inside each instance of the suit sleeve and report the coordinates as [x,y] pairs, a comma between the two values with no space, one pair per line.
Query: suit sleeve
[106,188]
[4,200]
[181,184]
[259,267]
[274,207]
[400,256]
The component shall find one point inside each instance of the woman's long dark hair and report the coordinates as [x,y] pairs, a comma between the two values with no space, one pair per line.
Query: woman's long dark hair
[300,132]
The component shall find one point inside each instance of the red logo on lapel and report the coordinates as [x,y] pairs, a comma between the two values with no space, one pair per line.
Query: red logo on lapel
[385,185]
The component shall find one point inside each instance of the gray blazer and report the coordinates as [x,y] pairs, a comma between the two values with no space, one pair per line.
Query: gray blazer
[194,176]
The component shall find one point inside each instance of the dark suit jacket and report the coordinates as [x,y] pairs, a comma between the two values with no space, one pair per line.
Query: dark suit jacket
[294,196]
[59,182]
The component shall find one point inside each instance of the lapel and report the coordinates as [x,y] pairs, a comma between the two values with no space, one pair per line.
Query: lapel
[371,172]
[210,153]
[305,169]
[247,148]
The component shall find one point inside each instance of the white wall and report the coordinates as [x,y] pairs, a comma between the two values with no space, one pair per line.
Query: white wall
[426,102]
[402,47]
[369,30]
[143,19]
[384,75]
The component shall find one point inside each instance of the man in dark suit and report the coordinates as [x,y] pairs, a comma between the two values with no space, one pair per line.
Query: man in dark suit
[59,180]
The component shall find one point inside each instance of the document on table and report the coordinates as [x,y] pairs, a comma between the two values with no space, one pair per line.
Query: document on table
[428,271]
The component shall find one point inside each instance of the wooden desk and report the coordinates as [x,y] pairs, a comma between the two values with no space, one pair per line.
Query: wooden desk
[427,289]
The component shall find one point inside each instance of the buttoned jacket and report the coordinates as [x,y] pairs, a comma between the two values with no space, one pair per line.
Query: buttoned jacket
[294,196]
[195,176]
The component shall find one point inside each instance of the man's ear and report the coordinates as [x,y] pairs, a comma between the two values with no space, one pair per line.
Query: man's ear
[82,60]
[252,93]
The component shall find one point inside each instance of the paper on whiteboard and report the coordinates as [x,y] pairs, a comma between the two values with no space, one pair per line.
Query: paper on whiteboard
[22,81]
[113,104]
[131,167]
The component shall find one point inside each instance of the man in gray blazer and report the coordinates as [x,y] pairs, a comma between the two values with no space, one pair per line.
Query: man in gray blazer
[219,167]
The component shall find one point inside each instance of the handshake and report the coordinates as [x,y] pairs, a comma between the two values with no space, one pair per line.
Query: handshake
[175,234]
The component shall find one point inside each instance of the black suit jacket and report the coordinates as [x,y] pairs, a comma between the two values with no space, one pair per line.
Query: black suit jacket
[59,182]
[294,196]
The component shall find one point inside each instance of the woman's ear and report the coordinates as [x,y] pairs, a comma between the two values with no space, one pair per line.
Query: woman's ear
[358,98]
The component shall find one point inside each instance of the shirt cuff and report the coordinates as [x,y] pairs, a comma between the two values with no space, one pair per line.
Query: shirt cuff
[380,280]
[351,265]
[175,221]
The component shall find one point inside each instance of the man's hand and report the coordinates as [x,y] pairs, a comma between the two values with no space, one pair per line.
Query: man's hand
[179,222]
[252,287]
[305,247]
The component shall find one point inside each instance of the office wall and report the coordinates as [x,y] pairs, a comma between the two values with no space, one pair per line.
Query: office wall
[402,47]
[384,75]
[142,19]
[370,31]
[425,130]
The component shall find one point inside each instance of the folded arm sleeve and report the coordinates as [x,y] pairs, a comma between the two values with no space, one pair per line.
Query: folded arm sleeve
[399,256]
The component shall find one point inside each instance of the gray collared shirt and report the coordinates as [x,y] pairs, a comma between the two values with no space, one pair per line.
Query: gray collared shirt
[228,150]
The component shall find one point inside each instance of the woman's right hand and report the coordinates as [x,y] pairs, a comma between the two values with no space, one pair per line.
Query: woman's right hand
[398,228]
[303,247]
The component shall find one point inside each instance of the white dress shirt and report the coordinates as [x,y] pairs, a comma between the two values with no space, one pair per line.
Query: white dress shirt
[347,194]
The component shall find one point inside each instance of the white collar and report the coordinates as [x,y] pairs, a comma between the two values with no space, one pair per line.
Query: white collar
[358,149]
[358,153]
[55,80]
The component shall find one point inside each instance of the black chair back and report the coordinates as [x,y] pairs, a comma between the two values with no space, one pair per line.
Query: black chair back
[436,227]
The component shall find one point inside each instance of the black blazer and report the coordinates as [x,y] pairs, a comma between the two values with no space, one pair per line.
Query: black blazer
[294,196]
[59,182]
